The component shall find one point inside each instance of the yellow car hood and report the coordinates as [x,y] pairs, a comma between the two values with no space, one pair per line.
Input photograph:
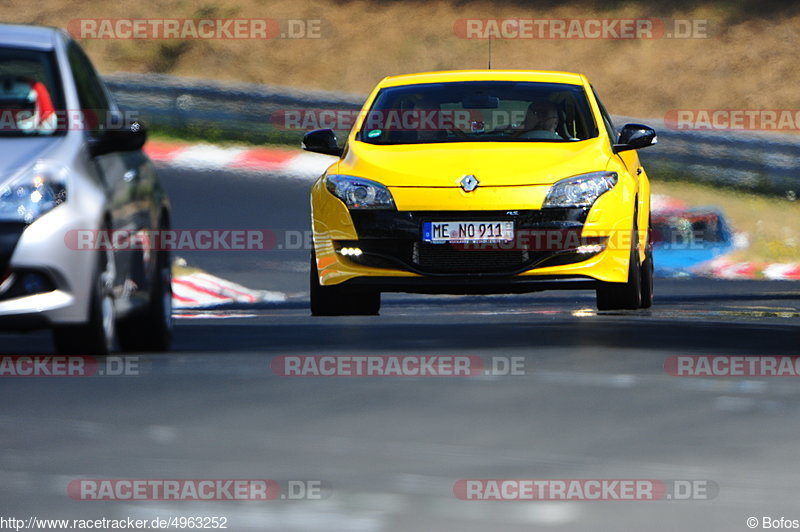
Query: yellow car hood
[492,163]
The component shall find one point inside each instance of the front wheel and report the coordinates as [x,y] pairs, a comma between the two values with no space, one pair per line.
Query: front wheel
[97,337]
[628,295]
[647,279]
[341,300]
[151,331]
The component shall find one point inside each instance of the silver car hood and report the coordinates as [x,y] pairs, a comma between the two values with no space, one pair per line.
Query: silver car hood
[21,153]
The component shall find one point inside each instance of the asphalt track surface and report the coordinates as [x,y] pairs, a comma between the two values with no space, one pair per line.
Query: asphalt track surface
[594,402]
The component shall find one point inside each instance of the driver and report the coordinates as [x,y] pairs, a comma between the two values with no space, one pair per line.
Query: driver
[541,121]
[29,103]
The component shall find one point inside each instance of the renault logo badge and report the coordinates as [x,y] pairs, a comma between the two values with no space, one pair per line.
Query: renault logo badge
[469,183]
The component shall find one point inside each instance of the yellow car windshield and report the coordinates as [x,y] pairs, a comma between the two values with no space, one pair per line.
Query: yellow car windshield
[481,111]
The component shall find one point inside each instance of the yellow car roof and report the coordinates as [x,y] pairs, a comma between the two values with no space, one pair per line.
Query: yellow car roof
[544,76]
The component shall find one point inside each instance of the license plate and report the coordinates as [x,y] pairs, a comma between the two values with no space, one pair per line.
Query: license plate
[467,232]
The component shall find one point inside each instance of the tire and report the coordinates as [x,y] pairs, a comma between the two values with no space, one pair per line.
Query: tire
[628,295]
[98,336]
[648,268]
[341,300]
[151,331]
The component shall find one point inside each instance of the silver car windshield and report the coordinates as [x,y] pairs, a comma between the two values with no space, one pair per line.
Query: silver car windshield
[31,98]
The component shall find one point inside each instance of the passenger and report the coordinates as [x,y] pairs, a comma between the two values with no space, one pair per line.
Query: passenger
[429,106]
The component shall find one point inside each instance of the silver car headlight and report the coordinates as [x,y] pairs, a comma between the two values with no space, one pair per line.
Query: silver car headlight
[34,192]
[359,193]
[580,190]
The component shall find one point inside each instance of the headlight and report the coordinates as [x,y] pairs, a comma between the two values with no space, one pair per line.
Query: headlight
[33,193]
[581,190]
[359,193]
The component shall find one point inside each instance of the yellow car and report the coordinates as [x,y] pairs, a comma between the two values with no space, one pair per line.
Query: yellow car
[478,182]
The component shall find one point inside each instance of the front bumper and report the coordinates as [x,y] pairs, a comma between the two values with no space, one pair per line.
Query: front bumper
[44,283]
[390,240]
[394,258]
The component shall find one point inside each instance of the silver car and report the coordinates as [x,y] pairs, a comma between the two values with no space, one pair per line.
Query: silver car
[71,163]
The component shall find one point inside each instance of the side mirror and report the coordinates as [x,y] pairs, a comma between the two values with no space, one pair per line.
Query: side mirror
[322,141]
[634,137]
[130,137]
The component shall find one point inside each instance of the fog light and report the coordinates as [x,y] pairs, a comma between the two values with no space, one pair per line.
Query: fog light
[34,283]
[25,283]
[350,252]
[593,248]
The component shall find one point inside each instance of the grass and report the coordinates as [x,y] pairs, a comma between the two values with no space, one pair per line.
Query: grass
[156,133]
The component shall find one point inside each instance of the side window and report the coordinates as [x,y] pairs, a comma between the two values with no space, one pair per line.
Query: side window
[612,131]
[91,94]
